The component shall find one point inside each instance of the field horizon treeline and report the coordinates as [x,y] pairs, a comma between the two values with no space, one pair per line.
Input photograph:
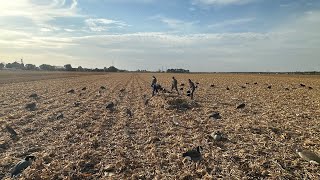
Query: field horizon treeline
[68,67]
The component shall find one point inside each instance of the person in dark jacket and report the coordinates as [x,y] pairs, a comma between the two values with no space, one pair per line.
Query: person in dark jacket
[174,84]
[192,88]
[154,85]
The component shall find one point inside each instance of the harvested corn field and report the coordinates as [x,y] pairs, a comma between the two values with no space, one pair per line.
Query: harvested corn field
[109,127]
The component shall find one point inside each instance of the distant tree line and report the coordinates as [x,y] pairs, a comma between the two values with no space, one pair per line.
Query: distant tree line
[47,67]
[178,71]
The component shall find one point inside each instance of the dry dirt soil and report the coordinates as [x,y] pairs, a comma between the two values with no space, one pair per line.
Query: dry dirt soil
[92,142]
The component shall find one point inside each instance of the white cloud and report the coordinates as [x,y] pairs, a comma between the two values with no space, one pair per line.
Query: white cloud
[222,2]
[232,22]
[130,1]
[175,24]
[38,11]
[101,24]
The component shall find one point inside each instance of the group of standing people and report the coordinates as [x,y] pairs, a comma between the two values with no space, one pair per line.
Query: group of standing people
[174,86]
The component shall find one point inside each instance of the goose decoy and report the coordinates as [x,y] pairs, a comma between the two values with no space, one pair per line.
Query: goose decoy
[102,87]
[188,93]
[241,106]
[217,136]
[310,87]
[309,156]
[83,89]
[287,89]
[76,104]
[33,95]
[122,90]
[243,87]
[146,101]
[181,89]
[269,87]
[71,91]
[22,165]
[182,84]
[110,106]
[197,83]
[194,154]
[31,106]
[212,85]
[129,113]
[215,115]
[144,96]
[255,83]
[11,131]
[59,116]
[247,83]
[228,88]
[302,85]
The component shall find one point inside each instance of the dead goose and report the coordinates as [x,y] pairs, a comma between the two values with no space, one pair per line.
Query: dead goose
[194,154]
[309,156]
[22,165]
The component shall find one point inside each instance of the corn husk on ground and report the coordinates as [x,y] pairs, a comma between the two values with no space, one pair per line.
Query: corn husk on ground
[92,142]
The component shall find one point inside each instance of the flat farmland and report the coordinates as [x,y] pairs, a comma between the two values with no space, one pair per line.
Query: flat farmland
[93,142]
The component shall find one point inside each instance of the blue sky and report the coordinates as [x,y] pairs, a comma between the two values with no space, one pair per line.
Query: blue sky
[200,35]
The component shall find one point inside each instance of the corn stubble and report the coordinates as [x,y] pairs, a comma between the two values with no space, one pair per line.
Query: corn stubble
[91,142]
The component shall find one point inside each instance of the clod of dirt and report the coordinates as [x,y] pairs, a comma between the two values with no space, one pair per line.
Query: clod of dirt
[102,87]
[83,89]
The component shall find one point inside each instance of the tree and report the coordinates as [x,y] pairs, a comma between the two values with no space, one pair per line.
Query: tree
[80,68]
[30,67]
[112,69]
[15,65]
[47,67]
[2,65]
[68,67]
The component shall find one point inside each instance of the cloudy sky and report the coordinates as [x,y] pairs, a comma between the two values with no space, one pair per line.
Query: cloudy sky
[200,35]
